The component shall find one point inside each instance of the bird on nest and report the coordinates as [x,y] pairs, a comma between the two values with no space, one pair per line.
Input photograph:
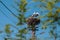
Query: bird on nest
[33,20]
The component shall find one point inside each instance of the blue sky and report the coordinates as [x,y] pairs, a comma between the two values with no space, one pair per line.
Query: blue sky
[9,3]
[3,19]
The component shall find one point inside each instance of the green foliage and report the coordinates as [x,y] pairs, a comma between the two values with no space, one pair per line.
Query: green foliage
[58,10]
[51,32]
[7,29]
[21,19]
[22,33]
[52,18]
[22,8]
[50,14]
[57,1]
[23,5]
[50,5]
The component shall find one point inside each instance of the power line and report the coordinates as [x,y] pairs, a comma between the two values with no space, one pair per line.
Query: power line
[9,19]
[7,16]
[8,8]
[16,8]
[14,27]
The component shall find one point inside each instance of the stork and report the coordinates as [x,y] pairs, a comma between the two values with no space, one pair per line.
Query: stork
[33,20]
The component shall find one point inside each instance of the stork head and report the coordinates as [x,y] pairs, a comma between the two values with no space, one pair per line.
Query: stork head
[35,14]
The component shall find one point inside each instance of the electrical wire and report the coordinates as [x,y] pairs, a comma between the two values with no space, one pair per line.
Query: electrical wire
[7,16]
[15,8]
[9,19]
[7,8]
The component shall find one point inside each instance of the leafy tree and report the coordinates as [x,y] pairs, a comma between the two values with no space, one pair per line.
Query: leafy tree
[53,17]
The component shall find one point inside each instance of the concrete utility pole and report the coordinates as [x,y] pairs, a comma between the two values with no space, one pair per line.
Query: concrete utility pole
[33,35]
[32,22]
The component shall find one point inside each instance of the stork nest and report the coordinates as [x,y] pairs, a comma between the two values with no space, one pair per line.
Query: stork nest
[33,21]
